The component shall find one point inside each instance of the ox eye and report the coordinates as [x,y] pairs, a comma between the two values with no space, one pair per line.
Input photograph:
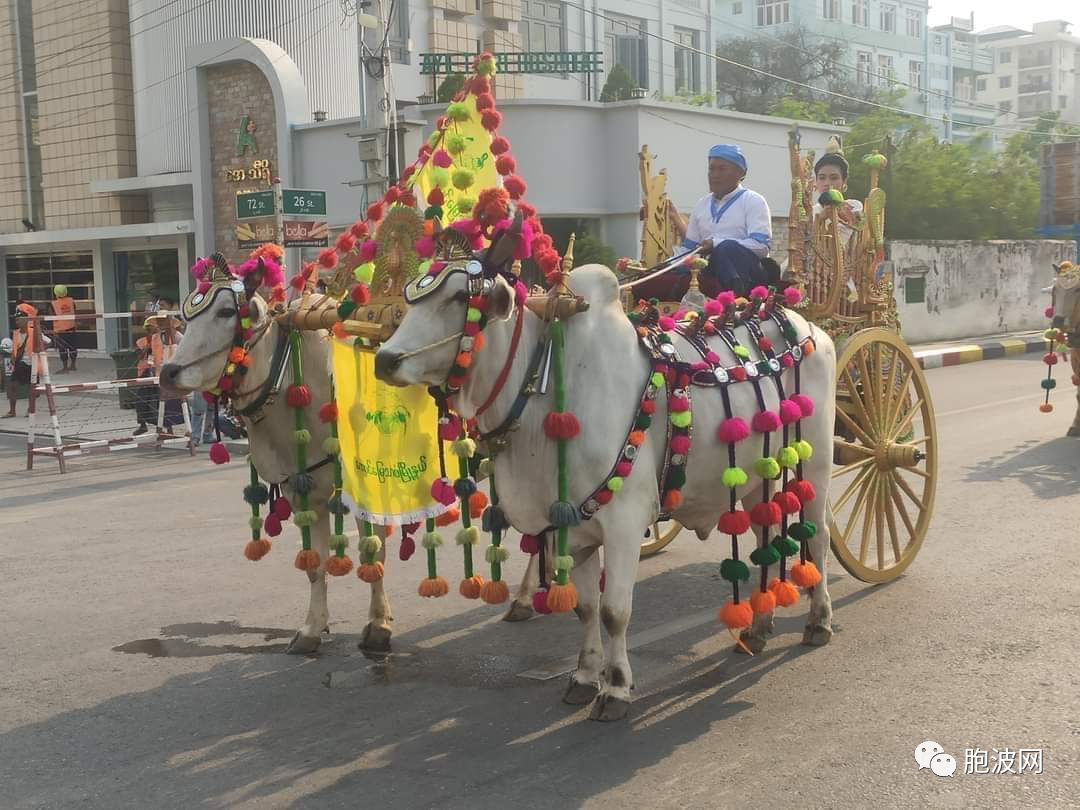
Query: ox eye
[228,312]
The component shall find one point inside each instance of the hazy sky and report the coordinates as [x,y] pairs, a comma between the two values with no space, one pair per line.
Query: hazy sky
[1006,12]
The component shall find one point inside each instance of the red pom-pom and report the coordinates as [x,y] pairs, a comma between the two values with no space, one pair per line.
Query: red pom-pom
[328,258]
[490,120]
[499,146]
[548,261]
[648,407]
[360,294]
[328,413]
[505,164]
[282,508]
[219,454]
[540,604]
[478,85]
[359,229]
[738,374]
[680,444]
[297,282]
[735,522]
[529,544]
[1050,358]
[392,195]
[765,514]
[788,502]
[436,196]
[603,496]
[297,396]
[803,490]
[375,211]
[561,425]
[515,187]
[345,242]
[736,616]
[485,101]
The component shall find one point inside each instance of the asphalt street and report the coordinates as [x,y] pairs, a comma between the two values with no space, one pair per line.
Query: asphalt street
[143,665]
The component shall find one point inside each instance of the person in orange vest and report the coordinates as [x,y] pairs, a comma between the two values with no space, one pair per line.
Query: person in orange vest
[151,348]
[64,306]
[22,351]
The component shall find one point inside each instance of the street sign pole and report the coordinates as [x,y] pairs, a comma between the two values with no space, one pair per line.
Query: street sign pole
[279,217]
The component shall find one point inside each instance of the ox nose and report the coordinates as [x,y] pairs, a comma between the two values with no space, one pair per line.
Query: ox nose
[169,373]
[386,363]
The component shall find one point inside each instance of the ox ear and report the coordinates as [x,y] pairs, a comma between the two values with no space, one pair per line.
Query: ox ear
[254,280]
[501,299]
[502,249]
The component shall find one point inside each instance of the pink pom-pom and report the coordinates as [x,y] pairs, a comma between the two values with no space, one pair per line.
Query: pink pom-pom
[712,358]
[787,361]
[282,508]
[521,292]
[1049,312]
[792,296]
[451,429]
[425,247]
[726,299]
[805,403]
[760,292]
[540,604]
[676,404]
[667,323]
[680,444]
[443,491]
[272,525]
[790,412]
[203,287]
[766,421]
[529,544]
[442,159]
[408,548]
[713,307]
[732,430]
[623,468]
[701,365]
[219,454]
[273,273]
[367,250]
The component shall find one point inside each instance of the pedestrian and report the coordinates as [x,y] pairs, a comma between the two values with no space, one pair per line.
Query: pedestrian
[161,332]
[202,420]
[22,353]
[7,371]
[63,306]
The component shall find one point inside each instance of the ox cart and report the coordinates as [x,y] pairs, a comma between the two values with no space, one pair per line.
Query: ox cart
[885,445]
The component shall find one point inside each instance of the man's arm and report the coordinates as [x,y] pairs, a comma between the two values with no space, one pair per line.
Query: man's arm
[692,233]
[758,226]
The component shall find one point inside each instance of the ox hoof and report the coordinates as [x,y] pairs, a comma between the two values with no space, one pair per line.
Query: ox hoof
[1073,432]
[755,644]
[607,708]
[580,694]
[303,645]
[817,636]
[518,613]
[375,639]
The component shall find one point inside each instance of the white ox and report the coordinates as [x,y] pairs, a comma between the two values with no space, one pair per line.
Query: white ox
[606,372]
[1066,302]
[198,364]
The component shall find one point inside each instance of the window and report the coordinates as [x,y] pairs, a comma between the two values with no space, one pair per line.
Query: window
[860,12]
[1005,106]
[980,84]
[941,45]
[398,30]
[625,44]
[32,276]
[886,73]
[687,61]
[1004,82]
[863,67]
[888,19]
[915,74]
[830,9]
[543,26]
[1063,102]
[736,9]
[1004,57]
[773,12]
[914,23]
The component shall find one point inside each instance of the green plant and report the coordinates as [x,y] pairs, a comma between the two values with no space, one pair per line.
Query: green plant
[590,249]
[619,85]
[450,87]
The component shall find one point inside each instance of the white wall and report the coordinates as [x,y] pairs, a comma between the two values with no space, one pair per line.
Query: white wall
[975,288]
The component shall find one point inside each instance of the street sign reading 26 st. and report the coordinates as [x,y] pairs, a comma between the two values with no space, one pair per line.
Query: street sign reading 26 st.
[305,203]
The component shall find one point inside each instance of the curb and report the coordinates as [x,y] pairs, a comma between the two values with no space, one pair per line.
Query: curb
[986,350]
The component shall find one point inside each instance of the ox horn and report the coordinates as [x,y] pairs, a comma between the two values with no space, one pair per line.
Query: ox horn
[503,250]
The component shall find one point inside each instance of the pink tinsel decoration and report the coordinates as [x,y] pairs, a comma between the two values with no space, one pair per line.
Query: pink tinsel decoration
[726,299]
[732,430]
[667,323]
[367,250]
[790,412]
[766,421]
[201,268]
[792,296]
[805,403]
[713,307]
[525,244]
[471,230]
[425,247]
[760,292]
[529,544]
[680,444]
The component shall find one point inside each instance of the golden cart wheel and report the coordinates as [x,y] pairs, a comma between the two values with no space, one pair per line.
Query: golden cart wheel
[661,535]
[885,457]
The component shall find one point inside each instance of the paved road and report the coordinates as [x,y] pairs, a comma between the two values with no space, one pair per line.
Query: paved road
[142,661]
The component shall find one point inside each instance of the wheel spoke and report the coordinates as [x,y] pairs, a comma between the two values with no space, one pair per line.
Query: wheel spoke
[856,510]
[894,407]
[917,471]
[890,517]
[869,394]
[861,406]
[904,485]
[852,447]
[857,465]
[906,420]
[868,520]
[879,525]
[900,507]
[851,490]
[890,385]
[854,427]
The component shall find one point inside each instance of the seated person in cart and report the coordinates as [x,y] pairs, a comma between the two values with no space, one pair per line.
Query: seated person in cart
[731,225]
[831,173]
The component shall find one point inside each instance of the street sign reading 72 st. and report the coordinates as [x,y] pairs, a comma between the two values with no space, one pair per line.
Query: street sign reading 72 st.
[305,203]
[255,204]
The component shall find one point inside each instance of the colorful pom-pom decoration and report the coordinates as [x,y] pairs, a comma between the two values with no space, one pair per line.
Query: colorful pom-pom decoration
[736,616]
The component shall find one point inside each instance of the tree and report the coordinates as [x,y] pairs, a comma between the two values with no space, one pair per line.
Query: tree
[802,110]
[619,86]
[591,249]
[450,87]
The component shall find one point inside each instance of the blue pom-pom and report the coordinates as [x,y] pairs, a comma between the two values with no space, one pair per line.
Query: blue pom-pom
[335,506]
[464,487]
[563,515]
[302,483]
[256,494]
[494,520]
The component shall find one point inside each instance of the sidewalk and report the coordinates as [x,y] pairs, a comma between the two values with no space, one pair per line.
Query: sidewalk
[953,353]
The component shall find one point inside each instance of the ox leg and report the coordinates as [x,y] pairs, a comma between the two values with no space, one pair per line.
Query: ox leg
[757,635]
[1074,361]
[818,631]
[309,636]
[521,608]
[585,682]
[622,551]
[376,635]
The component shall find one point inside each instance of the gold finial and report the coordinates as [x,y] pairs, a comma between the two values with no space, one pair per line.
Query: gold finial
[568,257]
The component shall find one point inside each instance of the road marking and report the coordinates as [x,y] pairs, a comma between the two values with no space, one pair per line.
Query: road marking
[985,405]
[645,637]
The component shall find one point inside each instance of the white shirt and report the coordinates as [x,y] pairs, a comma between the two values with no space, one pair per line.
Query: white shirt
[741,215]
[847,233]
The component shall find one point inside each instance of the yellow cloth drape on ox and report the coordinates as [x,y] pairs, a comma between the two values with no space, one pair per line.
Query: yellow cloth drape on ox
[388,435]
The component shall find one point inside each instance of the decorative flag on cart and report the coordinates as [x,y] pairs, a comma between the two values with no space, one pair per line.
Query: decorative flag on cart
[388,435]
[475,158]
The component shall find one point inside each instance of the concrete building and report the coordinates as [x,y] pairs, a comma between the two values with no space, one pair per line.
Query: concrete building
[1035,72]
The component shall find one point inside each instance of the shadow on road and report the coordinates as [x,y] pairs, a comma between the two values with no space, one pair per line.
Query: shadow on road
[1049,469]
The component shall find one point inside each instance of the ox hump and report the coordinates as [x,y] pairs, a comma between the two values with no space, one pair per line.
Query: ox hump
[595,283]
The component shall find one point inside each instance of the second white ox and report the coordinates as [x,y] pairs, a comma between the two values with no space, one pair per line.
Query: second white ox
[606,370]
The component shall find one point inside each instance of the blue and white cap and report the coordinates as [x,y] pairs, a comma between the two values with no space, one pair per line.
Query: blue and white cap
[730,153]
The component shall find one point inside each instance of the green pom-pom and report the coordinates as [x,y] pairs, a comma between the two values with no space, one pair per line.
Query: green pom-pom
[766,468]
[331,446]
[1049,383]
[831,197]
[676,478]
[734,571]
[370,544]
[433,139]
[486,67]
[462,178]
[433,212]
[468,537]
[681,419]
[458,111]
[763,367]
[734,477]
[742,352]
[305,518]
[564,563]
[615,483]
[456,144]
[463,448]
[365,272]
[431,540]
[339,541]
[787,457]
[786,546]
[766,555]
[876,160]
[804,449]
[346,308]
[245,323]
[465,204]
[563,515]
[802,531]
[791,334]
[657,379]
[440,177]
[255,522]
[473,315]
[485,468]
[496,554]
[643,421]
[302,436]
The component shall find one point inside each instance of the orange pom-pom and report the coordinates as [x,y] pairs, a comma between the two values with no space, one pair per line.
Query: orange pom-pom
[449,517]
[561,598]
[637,438]
[237,354]
[470,587]
[338,330]
[495,592]
[805,575]
[433,586]
[783,592]
[477,502]
[1046,407]
[478,341]
[255,550]
[464,360]
[736,615]
[370,572]
[672,500]
[762,602]
[339,566]
[808,348]
[307,559]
